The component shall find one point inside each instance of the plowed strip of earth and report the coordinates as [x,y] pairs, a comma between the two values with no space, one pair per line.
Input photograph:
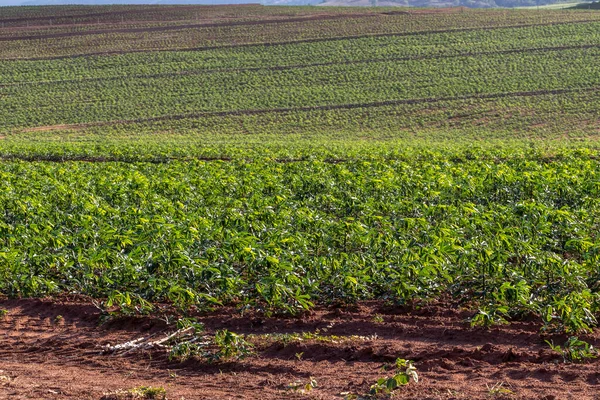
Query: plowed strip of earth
[98,14]
[164,8]
[279,43]
[187,26]
[119,13]
[51,349]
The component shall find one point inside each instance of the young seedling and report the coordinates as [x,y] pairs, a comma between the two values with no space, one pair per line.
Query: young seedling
[498,389]
[404,373]
[303,387]
[231,346]
[139,393]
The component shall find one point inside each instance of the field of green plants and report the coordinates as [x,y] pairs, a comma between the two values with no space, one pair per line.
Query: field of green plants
[329,156]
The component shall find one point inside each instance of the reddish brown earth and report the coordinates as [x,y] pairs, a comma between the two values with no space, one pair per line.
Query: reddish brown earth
[45,357]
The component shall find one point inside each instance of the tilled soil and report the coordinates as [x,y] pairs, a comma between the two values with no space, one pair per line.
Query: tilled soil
[51,349]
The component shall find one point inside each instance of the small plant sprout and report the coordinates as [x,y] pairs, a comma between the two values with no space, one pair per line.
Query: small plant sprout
[404,370]
[231,346]
[139,393]
[4,378]
[3,313]
[377,318]
[303,387]
[498,389]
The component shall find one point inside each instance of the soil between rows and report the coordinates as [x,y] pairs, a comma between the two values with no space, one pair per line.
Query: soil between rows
[45,357]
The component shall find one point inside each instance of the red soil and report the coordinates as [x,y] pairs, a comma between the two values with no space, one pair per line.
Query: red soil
[47,128]
[45,357]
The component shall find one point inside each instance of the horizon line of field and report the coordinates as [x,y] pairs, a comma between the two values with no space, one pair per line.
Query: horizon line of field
[284,110]
[310,65]
[292,42]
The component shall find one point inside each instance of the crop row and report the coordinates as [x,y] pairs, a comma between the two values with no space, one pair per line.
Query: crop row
[105,100]
[517,236]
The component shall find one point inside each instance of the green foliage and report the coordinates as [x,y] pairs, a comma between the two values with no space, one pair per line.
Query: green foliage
[184,323]
[129,304]
[575,350]
[488,317]
[573,313]
[231,346]
[150,392]
[403,374]
[185,350]
[193,343]
[281,237]
[190,341]
[139,393]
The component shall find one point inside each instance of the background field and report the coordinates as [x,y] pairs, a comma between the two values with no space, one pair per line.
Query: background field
[438,164]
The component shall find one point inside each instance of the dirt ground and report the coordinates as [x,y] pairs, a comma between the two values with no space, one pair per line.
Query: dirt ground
[43,356]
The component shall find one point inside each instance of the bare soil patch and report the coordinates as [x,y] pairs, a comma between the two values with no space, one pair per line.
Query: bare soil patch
[48,128]
[44,356]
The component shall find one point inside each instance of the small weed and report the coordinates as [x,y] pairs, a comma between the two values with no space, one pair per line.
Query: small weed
[404,372]
[299,356]
[189,341]
[185,350]
[377,318]
[4,379]
[149,392]
[58,319]
[303,387]
[3,313]
[231,346]
[498,389]
[139,393]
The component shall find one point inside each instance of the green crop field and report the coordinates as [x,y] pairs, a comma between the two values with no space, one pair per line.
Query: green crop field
[286,158]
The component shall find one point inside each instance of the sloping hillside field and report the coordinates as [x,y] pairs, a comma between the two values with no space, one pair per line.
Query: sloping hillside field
[219,202]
